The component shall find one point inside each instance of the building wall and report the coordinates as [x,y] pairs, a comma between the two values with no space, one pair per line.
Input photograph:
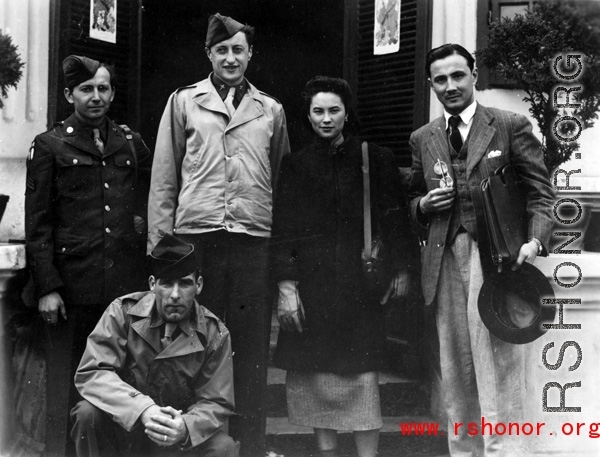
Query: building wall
[25,110]
[456,22]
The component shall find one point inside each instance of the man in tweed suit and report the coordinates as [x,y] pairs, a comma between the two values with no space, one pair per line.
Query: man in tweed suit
[481,375]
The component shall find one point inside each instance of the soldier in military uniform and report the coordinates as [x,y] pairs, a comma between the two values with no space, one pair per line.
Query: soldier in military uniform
[85,219]
[218,153]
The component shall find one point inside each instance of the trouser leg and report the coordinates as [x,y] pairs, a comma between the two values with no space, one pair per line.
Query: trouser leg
[59,344]
[93,431]
[219,445]
[459,385]
[249,321]
[65,343]
[235,268]
[482,377]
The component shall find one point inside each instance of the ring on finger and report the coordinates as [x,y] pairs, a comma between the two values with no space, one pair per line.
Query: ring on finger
[165,438]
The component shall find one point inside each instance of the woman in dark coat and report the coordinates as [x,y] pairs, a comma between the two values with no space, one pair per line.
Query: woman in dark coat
[332,339]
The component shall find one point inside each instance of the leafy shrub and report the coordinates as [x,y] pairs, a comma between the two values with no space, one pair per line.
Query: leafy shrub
[523,49]
[10,66]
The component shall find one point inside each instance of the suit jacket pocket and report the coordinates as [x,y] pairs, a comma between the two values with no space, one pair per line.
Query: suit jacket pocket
[491,165]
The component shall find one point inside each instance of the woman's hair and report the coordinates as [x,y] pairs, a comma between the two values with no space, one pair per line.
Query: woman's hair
[337,86]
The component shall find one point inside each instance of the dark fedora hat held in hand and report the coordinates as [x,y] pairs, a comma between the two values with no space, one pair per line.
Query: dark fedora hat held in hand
[510,304]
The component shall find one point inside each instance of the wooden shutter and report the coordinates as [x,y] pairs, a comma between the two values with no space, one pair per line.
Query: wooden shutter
[73,38]
[390,100]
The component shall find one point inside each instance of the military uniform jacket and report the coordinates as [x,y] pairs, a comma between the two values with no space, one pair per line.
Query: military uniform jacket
[124,369]
[79,208]
[211,172]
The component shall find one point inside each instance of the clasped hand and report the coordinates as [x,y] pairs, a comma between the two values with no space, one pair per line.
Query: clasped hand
[164,425]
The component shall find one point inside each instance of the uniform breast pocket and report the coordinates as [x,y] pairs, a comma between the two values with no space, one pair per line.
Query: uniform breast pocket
[124,172]
[76,176]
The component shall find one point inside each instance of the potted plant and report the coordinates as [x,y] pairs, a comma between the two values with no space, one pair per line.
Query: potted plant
[522,49]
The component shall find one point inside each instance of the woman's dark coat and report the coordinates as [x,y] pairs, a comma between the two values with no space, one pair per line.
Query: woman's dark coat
[318,240]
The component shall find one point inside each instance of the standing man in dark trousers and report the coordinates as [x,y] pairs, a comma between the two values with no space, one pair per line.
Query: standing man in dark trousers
[482,376]
[218,152]
[85,218]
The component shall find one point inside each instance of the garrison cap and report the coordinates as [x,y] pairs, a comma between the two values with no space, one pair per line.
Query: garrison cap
[78,69]
[221,28]
[172,258]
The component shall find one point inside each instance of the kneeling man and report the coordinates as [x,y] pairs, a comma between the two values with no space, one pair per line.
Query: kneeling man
[156,375]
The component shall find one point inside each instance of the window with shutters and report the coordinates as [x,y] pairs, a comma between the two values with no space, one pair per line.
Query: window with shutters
[69,33]
[392,97]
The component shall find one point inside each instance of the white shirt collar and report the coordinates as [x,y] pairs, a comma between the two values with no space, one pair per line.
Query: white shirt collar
[465,115]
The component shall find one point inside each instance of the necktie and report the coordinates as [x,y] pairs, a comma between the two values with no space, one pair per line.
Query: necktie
[167,339]
[98,141]
[229,102]
[455,138]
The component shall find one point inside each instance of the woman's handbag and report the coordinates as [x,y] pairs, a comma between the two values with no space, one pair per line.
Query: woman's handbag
[504,208]
[375,263]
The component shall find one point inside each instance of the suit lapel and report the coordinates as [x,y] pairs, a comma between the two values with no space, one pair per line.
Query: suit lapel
[438,142]
[480,135]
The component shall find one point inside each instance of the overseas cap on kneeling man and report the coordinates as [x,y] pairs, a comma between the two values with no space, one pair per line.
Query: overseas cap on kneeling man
[78,69]
[221,28]
[173,258]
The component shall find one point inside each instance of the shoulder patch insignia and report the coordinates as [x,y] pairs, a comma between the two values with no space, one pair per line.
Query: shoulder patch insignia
[30,183]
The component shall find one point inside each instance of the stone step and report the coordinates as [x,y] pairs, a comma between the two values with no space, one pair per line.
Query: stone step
[404,398]
[391,424]
[391,444]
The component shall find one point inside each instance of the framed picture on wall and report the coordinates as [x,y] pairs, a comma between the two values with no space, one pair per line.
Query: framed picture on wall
[103,20]
[386,31]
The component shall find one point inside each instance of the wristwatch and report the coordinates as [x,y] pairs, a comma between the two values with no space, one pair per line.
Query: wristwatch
[539,244]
